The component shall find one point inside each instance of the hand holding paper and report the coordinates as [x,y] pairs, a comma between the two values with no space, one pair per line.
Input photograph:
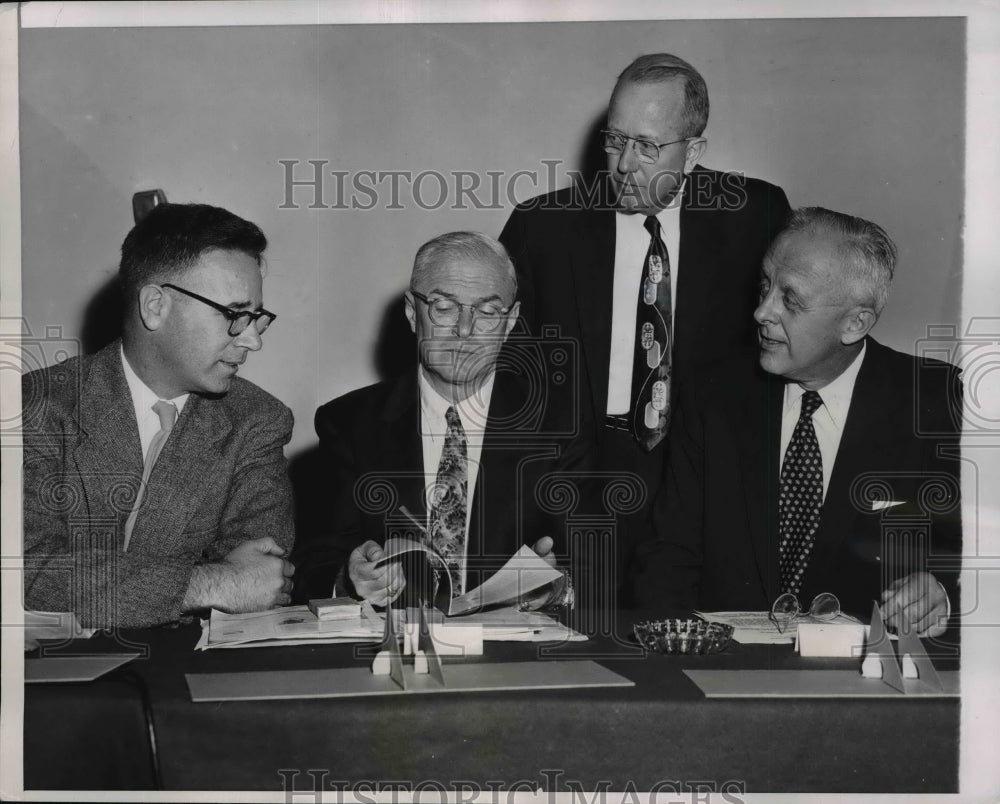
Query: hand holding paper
[916,602]
[375,579]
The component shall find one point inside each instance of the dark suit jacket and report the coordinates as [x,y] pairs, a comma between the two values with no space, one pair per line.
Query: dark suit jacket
[372,447]
[563,247]
[716,519]
[221,479]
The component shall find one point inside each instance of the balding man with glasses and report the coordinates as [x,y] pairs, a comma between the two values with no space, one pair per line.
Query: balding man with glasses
[653,271]
[155,484]
[447,451]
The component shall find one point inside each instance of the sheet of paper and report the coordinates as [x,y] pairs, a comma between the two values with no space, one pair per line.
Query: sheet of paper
[60,625]
[511,625]
[66,669]
[811,684]
[756,628]
[523,573]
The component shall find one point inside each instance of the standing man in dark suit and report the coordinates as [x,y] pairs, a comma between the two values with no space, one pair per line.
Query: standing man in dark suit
[828,465]
[653,272]
[154,479]
[448,443]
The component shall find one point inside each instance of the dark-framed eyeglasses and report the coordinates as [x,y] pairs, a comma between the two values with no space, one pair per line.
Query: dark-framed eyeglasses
[787,609]
[238,320]
[445,312]
[614,142]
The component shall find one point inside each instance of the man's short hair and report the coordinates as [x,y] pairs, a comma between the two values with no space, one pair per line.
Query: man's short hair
[469,246]
[869,253]
[172,237]
[655,67]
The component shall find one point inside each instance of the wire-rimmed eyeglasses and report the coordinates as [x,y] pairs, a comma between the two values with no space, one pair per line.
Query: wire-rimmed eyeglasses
[614,142]
[786,609]
[446,312]
[238,320]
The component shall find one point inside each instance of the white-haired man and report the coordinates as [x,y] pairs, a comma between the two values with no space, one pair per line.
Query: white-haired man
[833,469]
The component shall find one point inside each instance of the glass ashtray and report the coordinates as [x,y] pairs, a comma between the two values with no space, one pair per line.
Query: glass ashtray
[683,636]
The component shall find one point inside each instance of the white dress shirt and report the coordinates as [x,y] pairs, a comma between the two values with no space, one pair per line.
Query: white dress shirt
[434,428]
[143,399]
[828,419]
[631,245]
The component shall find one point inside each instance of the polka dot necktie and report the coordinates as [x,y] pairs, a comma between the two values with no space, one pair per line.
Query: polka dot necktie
[800,497]
[651,363]
[449,501]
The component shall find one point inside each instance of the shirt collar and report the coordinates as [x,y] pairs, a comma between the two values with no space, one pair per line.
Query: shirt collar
[836,395]
[473,411]
[671,212]
[143,397]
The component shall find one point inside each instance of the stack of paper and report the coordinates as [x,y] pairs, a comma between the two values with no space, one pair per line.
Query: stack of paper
[296,625]
[512,625]
[756,627]
[291,625]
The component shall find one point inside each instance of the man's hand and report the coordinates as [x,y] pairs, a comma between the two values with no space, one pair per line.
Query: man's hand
[543,548]
[551,592]
[378,585]
[916,602]
[251,577]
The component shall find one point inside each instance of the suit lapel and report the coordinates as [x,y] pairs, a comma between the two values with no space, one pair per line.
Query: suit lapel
[109,453]
[497,494]
[759,439]
[868,418]
[399,446]
[700,247]
[593,271]
[183,474]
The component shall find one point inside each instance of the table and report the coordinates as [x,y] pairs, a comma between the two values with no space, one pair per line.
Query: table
[661,735]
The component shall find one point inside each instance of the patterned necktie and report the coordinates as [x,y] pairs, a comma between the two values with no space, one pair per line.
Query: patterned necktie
[800,497]
[449,500]
[167,412]
[651,364]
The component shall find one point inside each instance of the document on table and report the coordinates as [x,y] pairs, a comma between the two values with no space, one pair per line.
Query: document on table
[523,573]
[60,625]
[511,625]
[290,625]
[756,627]
[296,625]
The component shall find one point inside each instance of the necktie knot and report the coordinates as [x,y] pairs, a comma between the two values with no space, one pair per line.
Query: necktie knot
[811,402]
[652,226]
[167,411]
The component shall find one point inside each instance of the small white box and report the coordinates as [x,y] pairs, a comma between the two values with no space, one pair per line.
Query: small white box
[845,640]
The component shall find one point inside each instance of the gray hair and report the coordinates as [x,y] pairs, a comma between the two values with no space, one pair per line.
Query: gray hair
[869,253]
[656,67]
[468,246]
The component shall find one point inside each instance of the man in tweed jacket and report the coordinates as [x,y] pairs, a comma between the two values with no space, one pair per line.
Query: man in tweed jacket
[210,525]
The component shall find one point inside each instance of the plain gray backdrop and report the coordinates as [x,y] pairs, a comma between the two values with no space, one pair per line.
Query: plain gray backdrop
[860,115]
